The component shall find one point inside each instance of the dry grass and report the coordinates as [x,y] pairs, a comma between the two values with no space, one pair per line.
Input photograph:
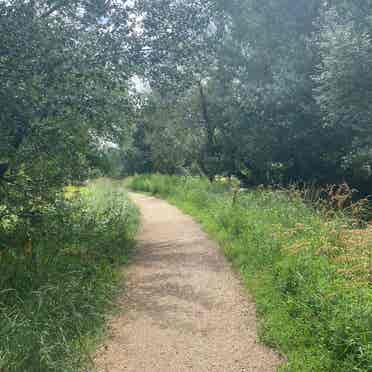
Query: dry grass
[356,260]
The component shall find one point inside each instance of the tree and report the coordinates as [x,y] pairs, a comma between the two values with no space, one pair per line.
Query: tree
[343,87]
[281,87]
[64,69]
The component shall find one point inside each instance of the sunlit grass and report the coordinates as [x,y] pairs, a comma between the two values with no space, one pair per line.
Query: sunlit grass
[55,292]
[315,305]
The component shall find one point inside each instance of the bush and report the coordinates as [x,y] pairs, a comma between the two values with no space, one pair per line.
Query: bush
[315,306]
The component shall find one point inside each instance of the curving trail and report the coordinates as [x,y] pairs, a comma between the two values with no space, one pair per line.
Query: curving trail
[183,309]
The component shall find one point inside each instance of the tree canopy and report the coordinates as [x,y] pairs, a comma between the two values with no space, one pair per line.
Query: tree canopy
[270,91]
[280,91]
[64,70]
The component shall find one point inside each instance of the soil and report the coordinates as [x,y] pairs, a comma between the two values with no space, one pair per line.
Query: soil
[183,308]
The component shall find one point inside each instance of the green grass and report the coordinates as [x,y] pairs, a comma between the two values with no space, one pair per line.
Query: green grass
[313,306]
[57,286]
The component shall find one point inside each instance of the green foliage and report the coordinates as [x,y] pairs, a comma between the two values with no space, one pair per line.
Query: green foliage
[285,89]
[273,92]
[173,138]
[63,96]
[57,286]
[342,90]
[290,258]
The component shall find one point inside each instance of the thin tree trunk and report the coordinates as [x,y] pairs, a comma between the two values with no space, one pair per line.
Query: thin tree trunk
[208,153]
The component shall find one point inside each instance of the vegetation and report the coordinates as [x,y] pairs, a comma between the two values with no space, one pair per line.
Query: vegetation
[310,277]
[269,91]
[56,290]
[65,70]
[63,96]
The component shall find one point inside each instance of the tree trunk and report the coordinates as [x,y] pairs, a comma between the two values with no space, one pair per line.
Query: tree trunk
[208,151]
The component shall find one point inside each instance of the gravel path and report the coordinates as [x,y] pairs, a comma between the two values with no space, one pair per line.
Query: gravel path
[183,309]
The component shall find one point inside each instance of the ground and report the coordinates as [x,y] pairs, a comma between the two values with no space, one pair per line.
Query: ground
[184,309]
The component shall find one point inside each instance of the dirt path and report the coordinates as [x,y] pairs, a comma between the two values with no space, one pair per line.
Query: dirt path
[184,309]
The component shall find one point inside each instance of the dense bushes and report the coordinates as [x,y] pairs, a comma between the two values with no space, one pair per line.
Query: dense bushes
[57,284]
[311,283]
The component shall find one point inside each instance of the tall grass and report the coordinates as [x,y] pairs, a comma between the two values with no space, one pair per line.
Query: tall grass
[57,286]
[313,305]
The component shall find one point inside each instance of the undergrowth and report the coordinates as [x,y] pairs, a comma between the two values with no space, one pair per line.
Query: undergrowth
[57,281]
[314,306]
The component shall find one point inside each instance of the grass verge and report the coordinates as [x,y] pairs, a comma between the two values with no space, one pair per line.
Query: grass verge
[314,298]
[58,281]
